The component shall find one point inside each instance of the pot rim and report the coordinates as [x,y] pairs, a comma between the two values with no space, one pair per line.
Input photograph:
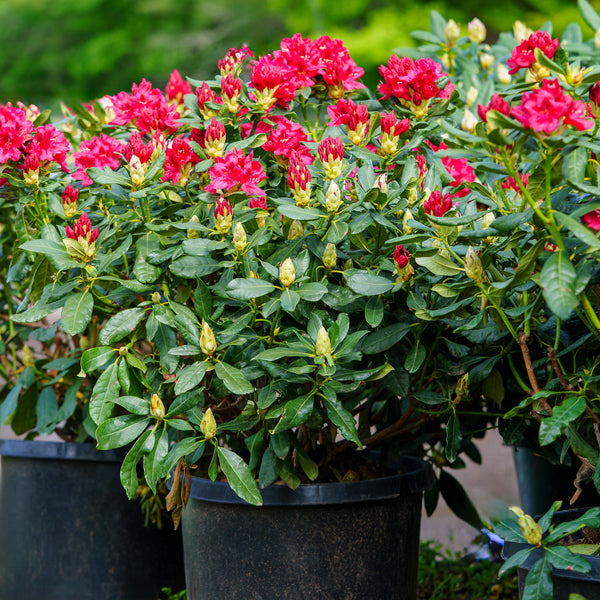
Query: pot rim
[47,450]
[416,477]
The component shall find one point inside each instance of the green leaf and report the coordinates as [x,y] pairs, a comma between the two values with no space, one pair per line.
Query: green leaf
[384,339]
[280,352]
[245,289]
[144,272]
[233,379]
[239,476]
[134,405]
[9,404]
[270,468]
[154,460]
[558,281]
[562,415]
[46,411]
[190,377]
[289,300]
[77,312]
[94,358]
[192,267]
[119,431]
[538,583]
[295,413]
[579,230]
[296,213]
[120,325]
[36,312]
[368,284]
[561,557]
[438,265]
[203,302]
[54,250]
[105,392]
[128,473]
[415,357]
[514,561]
[575,164]
[590,16]
[457,500]
[453,437]
[108,177]
[342,419]
[374,311]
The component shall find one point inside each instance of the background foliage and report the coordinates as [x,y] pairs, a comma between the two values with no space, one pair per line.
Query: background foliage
[77,49]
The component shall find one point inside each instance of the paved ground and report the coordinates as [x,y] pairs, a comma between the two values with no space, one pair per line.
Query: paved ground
[492,487]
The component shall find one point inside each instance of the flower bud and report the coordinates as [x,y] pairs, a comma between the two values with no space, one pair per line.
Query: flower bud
[27,357]
[84,342]
[452,30]
[296,230]
[469,121]
[472,94]
[122,351]
[223,215]
[69,201]
[333,197]
[287,273]
[137,172]
[406,228]
[401,258]
[477,31]
[486,60]
[193,233]
[503,74]
[531,531]
[155,298]
[521,31]
[208,343]
[323,343]
[462,388]
[157,408]
[239,238]
[473,267]
[253,275]
[413,196]
[330,256]
[381,183]
[208,425]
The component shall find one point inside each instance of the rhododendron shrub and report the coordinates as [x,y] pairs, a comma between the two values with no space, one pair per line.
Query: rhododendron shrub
[281,260]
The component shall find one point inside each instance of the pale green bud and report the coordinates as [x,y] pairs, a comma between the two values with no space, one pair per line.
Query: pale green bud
[287,273]
[208,342]
[239,238]
[330,256]
[157,408]
[323,343]
[208,425]
[333,197]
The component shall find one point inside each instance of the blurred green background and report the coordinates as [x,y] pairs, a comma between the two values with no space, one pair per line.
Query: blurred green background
[78,50]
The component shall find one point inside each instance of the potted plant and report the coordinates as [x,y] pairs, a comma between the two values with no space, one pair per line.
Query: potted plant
[67,531]
[256,297]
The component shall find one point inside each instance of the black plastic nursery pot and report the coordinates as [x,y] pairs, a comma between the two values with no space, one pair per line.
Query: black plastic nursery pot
[565,582]
[68,531]
[332,541]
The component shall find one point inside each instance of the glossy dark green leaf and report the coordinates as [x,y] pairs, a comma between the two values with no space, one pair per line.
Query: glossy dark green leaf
[105,392]
[233,379]
[270,468]
[46,411]
[295,413]
[155,459]
[558,281]
[385,338]
[343,420]
[9,403]
[119,431]
[128,473]
[457,500]
[374,311]
[120,325]
[203,302]
[415,357]
[190,377]
[439,265]
[296,213]
[97,357]
[369,284]
[453,437]
[562,414]
[538,583]
[239,476]
[245,289]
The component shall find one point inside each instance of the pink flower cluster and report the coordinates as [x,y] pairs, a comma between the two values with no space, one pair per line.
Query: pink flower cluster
[523,56]
[82,231]
[413,82]
[101,151]
[496,103]
[549,109]
[234,172]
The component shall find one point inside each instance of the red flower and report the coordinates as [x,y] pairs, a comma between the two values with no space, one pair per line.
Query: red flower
[180,158]
[231,88]
[258,203]
[159,119]
[69,201]
[286,138]
[496,103]
[223,208]
[592,219]
[204,94]
[595,99]
[177,88]
[413,82]
[83,230]
[511,184]
[303,59]
[128,107]
[49,145]
[136,147]
[99,152]
[550,109]
[234,171]
[354,116]
[15,130]
[437,205]
[299,180]
[401,256]
[523,56]
[232,62]
[340,72]
[271,83]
